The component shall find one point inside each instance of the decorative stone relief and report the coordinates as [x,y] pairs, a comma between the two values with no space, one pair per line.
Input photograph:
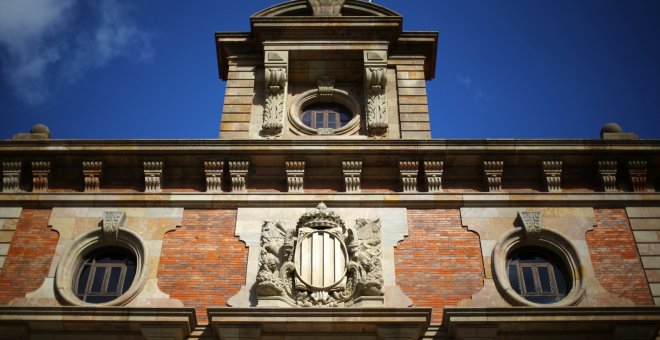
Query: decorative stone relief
[238,170]
[320,262]
[493,171]
[92,172]
[409,171]
[213,171]
[433,171]
[11,176]
[375,63]
[352,173]
[153,175]
[40,175]
[326,85]
[326,8]
[112,221]
[295,176]
[607,171]
[276,69]
[552,175]
[637,172]
[531,222]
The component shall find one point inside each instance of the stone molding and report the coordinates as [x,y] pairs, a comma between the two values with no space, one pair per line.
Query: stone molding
[352,174]
[153,176]
[213,172]
[409,171]
[238,170]
[493,171]
[375,80]
[552,175]
[295,176]
[92,172]
[637,171]
[40,175]
[11,176]
[607,171]
[433,171]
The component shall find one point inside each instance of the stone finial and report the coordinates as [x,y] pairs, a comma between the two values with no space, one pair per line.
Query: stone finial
[613,131]
[433,171]
[295,176]
[607,171]
[352,172]
[326,8]
[112,222]
[552,175]
[637,172]
[531,222]
[238,170]
[92,172]
[409,171]
[37,132]
[153,176]
[213,171]
[40,175]
[11,176]
[493,171]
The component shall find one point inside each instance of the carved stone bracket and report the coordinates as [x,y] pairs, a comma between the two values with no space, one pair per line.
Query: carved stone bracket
[352,173]
[552,175]
[375,63]
[607,171]
[40,175]
[276,75]
[493,171]
[637,171]
[531,222]
[433,171]
[11,176]
[295,176]
[409,171]
[327,8]
[153,175]
[326,85]
[112,221]
[213,171]
[238,170]
[92,172]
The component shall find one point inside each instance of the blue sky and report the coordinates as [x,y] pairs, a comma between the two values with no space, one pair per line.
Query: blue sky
[506,69]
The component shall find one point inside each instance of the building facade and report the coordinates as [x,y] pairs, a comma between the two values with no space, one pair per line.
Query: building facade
[325,210]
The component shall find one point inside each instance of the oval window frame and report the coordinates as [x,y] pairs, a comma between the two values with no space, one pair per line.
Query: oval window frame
[310,97]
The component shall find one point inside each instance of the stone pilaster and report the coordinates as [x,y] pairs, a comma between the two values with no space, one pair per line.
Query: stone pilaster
[552,175]
[40,175]
[408,171]
[276,75]
[433,171]
[238,170]
[637,171]
[295,176]
[493,171]
[11,176]
[213,171]
[375,64]
[92,172]
[153,175]
[352,174]
[607,172]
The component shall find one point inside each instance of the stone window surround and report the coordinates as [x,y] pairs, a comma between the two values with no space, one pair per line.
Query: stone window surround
[313,96]
[76,253]
[550,241]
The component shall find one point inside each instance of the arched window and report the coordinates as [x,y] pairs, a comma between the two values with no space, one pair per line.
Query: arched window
[538,275]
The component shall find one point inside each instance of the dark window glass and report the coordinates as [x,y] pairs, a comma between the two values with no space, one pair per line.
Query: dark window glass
[105,275]
[326,116]
[538,275]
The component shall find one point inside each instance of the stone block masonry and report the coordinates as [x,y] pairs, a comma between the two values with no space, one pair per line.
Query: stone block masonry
[202,263]
[439,263]
[645,224]
[29,256]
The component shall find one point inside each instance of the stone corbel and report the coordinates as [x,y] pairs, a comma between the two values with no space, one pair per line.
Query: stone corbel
[375,64]
[531,222]
[238,170]
[295,176]
[326,85]
[11,176]
[213,171]
[112,221]
[552,175]
[637,172]
[493,171]
[40,175]
[352,172]
[92,172]
[153,175]
[433,171]
[409,171]
[276,75]
[607,171]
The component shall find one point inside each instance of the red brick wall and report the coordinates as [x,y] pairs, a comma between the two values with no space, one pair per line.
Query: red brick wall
[30,255]
[439,263]
[615,258]
[202,263]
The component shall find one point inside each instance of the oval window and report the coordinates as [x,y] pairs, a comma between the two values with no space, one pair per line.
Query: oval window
[538,275]
[326,116]
[105,275]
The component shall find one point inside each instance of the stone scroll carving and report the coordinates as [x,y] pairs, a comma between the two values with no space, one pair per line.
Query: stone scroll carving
[352,173]
[40,175]
[493,171]
[408,171]
[607,171]
[552,175]
[531,222]
[433,171]
[637,171]
[153,176]
[11,176]
[295,176]
[376,80]
[92,172]
[320,262]
[213,171]
[238,170]
[276,82]
[112,221]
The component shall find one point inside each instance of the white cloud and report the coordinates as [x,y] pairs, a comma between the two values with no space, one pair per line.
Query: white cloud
[477,93]
[44,43]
